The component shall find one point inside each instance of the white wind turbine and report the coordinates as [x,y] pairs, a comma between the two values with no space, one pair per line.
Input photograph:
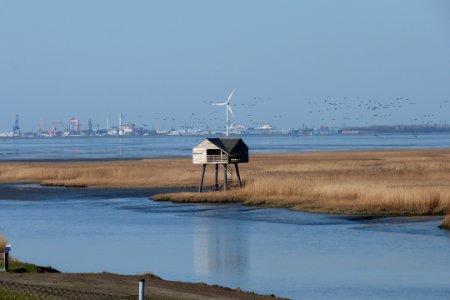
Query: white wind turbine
[228,109]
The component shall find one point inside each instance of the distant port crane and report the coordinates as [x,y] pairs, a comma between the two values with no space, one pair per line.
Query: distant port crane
[16,128]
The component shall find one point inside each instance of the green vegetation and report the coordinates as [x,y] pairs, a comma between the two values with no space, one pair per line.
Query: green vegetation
[16,266]
[6,294]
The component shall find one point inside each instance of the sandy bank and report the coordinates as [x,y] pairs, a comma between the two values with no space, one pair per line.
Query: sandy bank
[398,182]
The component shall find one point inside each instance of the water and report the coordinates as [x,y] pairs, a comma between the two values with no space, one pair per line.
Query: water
[291,254]
[87,148]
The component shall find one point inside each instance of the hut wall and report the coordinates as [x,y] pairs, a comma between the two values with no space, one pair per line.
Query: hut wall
[199,156]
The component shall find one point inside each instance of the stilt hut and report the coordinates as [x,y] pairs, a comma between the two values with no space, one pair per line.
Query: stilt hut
[220,152]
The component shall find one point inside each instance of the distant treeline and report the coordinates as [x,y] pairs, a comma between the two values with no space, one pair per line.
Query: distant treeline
[397,129]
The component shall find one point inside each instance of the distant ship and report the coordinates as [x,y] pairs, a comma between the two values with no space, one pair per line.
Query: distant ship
[266,127]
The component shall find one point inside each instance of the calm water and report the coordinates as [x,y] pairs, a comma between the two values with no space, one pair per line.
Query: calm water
[292,254]
[177,146]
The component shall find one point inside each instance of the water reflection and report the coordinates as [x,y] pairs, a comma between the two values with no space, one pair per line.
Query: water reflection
[220,251]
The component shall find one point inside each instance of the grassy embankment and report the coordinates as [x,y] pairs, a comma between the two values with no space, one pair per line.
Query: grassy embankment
[17,266]
[404,182]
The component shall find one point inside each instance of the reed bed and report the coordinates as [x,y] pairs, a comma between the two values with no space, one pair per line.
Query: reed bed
[142,173]
[445,223]
[403,182]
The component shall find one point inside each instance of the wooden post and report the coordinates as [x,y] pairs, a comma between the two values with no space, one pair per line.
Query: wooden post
[216,178]
[238,175]
[6,261]
[200,187]
[225,175]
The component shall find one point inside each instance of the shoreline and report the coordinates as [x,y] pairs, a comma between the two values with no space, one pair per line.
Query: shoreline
[36,281]
[189,157]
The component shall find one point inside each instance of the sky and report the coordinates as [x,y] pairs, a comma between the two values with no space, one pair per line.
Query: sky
[292,63]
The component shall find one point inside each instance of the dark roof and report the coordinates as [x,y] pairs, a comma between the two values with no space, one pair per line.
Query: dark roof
[229,145]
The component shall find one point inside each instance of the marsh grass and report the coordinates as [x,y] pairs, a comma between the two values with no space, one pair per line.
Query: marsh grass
[445,223]
[143,173]
[403,182]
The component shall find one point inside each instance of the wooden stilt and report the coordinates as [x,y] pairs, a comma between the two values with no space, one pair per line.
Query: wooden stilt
[216,178]
[200,187]
[225,176]
[238,175]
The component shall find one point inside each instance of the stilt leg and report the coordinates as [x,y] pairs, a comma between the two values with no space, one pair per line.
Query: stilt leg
[216,178]
[225,175]
[200,187]
[238,175]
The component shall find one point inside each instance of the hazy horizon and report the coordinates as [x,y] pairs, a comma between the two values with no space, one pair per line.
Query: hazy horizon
[292,63]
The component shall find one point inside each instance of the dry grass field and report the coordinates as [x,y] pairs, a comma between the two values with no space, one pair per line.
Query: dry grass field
[133,173]
[403,182]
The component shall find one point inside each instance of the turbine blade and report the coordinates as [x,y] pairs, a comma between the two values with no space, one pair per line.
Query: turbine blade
[231,111]
[231,95]
[220,103]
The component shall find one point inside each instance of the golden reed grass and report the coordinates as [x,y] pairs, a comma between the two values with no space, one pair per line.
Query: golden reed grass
[403,182]
[445,223]
[2,243]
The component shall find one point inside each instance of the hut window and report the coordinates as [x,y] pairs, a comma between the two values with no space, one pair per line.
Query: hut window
[213,152]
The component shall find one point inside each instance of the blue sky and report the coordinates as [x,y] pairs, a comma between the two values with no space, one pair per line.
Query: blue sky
[292,62]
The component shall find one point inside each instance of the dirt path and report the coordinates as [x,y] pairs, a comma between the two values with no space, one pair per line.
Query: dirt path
[125,285]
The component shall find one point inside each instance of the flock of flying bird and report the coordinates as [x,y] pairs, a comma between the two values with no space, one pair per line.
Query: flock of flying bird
[359,111]
[343,111]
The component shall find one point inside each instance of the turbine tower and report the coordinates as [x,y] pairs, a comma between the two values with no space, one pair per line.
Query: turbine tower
[227,109]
